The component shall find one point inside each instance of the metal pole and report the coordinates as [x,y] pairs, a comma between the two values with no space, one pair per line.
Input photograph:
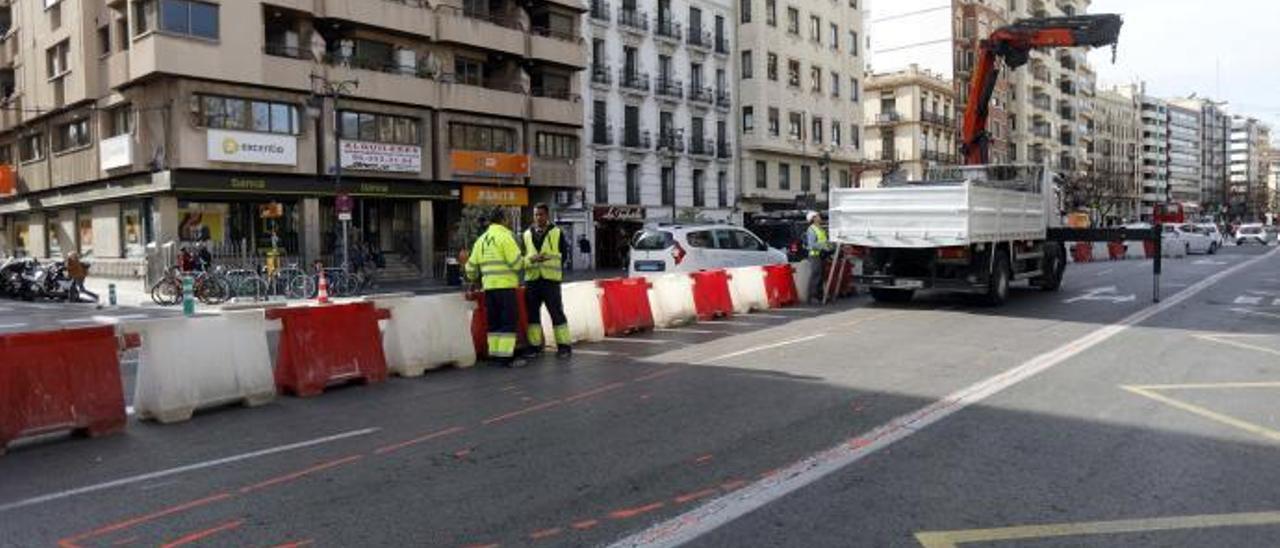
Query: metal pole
[337,170]
[1159,263]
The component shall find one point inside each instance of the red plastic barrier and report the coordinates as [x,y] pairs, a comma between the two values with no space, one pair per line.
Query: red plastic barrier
[847,286]
[60,380]
[1149,247]
[625,306]
[322,345]
[1115,251]
[711,296]
[480,323]
[1082,252]
[780,285]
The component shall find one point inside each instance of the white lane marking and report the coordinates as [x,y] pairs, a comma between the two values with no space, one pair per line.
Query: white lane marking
[717,512]
[1103,294]
[686,330]
[586,352]
[730,322]
[1248,300]
[184,469]
[12,325]
[639,340]
[1248,312]
[1275,302]
[1105,272]
[754,349]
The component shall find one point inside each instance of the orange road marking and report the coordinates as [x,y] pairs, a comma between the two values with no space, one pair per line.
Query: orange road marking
[119,526]
[415,441]
[731,485]
[545,533]
[597,391]
[585,524]
[656,375]
[695,495]
[300,473]
[525,411]
[703,459]
[633,512]
[198,535]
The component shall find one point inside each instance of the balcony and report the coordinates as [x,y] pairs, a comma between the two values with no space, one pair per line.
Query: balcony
[405,16]
[556,106]
[600,12]
[601,133]
[601,76]
[9,48]
[671,141]
[887,155]
[636,139]
[633,21]
[1041,131]
[701,94]
[722,46]
[1042,102]
[634,81]
[936,118]
[669,31]
[669,88]
[485,100]
[699,39]
[486,31]
[702,147]
[723,99]
[555,47]
[888,117]
[381,79]
[723,150]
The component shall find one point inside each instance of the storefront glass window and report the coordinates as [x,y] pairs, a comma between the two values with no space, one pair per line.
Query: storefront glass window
[262,117]
[84,229]
[23,236]
[132,237]
[53,234]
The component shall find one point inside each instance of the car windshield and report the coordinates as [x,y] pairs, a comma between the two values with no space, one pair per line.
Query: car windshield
[1251,230]
[653,240]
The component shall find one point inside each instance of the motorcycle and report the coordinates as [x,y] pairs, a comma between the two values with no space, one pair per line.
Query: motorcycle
[49,281]
[11,276]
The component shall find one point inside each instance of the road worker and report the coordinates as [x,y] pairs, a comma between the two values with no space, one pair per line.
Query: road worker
[819,247]
[546,253]
[495,261]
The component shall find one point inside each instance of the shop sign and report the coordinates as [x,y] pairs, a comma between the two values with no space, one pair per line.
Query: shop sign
[495,196]
[489,164]
[388,157]
[116,152]
[619,213]
[8,180]
[252,148]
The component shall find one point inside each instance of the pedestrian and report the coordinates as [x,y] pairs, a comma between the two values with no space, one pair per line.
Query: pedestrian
[78,270]
[584,247]
[815,240]
[544,244]
[495,262]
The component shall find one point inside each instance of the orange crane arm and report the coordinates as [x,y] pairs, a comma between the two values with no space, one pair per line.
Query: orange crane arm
[1013,45]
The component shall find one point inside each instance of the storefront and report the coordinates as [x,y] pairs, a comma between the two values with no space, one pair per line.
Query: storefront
[614,228]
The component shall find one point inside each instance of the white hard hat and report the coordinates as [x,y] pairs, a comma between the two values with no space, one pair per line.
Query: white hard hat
[811,216]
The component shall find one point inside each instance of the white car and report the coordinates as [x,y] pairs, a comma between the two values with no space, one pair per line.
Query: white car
[690,248]
[1191,238]
[1254,234]
[1214,233]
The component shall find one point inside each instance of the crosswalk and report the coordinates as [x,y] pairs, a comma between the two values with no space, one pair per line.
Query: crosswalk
[1257,300]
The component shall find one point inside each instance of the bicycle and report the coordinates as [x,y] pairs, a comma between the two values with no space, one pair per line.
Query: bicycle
[208,288]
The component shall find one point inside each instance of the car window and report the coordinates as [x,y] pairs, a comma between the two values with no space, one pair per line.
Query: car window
[725,240]
[700,239]
[1250,230]
[747,241]
[653,240]
[1170,229]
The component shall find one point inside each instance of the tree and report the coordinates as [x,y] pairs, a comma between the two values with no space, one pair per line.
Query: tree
[1105,195]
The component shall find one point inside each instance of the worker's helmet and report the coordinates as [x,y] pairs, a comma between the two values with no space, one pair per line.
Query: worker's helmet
[811,216]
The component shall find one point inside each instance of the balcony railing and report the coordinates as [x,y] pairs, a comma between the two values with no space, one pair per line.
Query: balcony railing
[671,141]
[600,10]
[292,52]
[636,139]
[634,20]
[499,19]
[390,66]
[722,46]
[635,80]
[1042,103]
[555,93]
[670,88]
[701,94]
[1040,131]
[723,150]
[888,117]
[670,30]
[601,133]
[702,147]
[699,38]
[936,118]
[887,155]
[556,34]
[601,74]
[723,98]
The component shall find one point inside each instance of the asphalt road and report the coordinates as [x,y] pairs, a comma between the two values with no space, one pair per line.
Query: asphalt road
[1084,417]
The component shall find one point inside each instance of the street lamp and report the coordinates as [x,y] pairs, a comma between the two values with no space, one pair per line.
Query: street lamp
[334,89]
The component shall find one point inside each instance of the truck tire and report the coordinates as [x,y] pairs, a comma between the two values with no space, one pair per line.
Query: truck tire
[998,282]
[891,295]
[1054,266]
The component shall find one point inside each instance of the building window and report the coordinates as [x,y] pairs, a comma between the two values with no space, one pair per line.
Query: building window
[815,28]
[835,84]
[815,76]
[56,59]
[633,184]
[835,36]
[806,176]
[378,128]
[31,148]
[784,176]
[602,182]
[746,10]
[793,73]
[771,67]
[184,17]
[853,43]
[746,64]
[668,185]
[748,119]
[835,132]
[699,188]
[774,123]
[557,145]
[794,122]
[104,40]
[853,89]
[793,21]
[6,155]
[762,174]
[771,12]
[855,139]
[722,189]
[818,131]
[71,135]
[481,138]
[219,112]
[468,71]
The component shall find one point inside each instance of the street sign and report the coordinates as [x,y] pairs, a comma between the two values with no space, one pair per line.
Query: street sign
[344,216]
[343,204]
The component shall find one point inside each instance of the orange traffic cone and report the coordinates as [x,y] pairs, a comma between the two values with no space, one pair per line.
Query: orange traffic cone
[322,291]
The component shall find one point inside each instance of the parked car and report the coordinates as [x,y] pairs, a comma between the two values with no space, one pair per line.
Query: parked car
[1254,234]
[783,230]
[690,248]
[1215,234]
[1192,238]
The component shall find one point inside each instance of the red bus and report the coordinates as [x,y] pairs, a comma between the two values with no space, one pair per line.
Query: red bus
[1169,213]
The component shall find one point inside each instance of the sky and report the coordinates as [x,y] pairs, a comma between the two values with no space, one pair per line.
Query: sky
[1228,50]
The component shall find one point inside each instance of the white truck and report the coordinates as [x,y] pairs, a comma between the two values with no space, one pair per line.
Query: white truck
[974,229]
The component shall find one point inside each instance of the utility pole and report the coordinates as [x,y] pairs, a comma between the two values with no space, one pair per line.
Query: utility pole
[335,89]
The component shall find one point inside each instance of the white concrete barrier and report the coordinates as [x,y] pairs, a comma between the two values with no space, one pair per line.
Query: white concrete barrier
[427,333]
[801,271]
[582,309]
[185,364]
[1101,252]
[1135,249]
[671,300]
[746,285]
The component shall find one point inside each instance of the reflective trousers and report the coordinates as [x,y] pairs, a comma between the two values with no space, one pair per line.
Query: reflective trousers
[546,292]
[502,315]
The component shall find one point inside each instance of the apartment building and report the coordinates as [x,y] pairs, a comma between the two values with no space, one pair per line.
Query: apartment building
[1154,144]
[1116,158]
[659,119]
[138,122]
[1215,133]
[976,19]
[1248,169]
[799,99]
[1185,170]
[911,124]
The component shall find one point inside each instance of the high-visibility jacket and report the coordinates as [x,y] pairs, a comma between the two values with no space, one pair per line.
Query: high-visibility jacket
[552,268]
[495,259]
[817,240]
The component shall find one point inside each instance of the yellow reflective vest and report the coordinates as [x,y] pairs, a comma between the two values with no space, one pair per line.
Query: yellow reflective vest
[552,268]
[818,243]
[495,259]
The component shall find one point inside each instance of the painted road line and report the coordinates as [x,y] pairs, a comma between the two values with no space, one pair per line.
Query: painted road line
[718,512]
[639,340]
[1248,312]
[952,539]
[1238,344]
[585,352]
[77,320]
[755,349]
[1248,300]
[687,330]
[184,469]
[1150,392]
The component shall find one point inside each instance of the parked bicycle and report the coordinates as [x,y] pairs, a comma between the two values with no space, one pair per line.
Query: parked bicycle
[208,288]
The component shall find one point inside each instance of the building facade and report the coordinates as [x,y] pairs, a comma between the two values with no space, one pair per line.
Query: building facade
[1186,175]
[911,124]
[660,118]
[1215,134]
[1248,169]
[976,19]
[1154,145]
[1116,155]
[799,100]
[140,122]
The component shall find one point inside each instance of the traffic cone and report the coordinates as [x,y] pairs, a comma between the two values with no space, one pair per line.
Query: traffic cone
[322,291]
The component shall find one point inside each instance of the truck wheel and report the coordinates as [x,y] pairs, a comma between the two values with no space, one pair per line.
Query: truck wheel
[890,295]
[998,282]
[1053,266]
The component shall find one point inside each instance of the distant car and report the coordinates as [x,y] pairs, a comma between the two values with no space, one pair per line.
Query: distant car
[1254,234]
[1214,233]
[782,230]
[690,248]
[1192,238]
